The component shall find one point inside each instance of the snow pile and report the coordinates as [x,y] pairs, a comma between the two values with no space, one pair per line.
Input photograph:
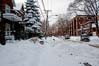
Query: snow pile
[52,41]
[54,52]
[75,38]
[23,53]
[94,40]
[68,53]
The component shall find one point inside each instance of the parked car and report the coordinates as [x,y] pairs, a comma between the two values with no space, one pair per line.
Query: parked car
[85,37]
[67,37]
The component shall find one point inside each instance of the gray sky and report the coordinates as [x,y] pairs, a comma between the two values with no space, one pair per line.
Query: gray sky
[57,7]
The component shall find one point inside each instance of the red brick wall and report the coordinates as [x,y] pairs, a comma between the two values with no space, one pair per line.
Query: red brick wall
[76,22]
[8,2]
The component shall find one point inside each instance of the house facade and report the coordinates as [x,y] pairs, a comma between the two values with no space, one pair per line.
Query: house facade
[82,24]
[9,21]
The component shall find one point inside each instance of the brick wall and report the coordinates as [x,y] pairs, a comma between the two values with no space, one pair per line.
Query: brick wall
[76,22]
[8,2]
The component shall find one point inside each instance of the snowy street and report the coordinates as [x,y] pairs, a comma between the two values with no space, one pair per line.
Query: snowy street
[49,32]
[57,52]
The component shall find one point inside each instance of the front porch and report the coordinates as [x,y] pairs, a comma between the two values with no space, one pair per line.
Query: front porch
[10,28]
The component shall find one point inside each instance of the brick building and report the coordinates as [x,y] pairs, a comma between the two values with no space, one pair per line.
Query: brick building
[9,21]
[82,23]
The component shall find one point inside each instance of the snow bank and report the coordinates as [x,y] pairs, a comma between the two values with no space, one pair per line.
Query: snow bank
[54,52]
[75,38]
[68,53]
[94,40]
[23,53]
[52,40]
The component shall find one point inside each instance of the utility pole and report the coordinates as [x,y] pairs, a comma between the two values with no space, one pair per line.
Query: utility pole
[96,15]
[46,24]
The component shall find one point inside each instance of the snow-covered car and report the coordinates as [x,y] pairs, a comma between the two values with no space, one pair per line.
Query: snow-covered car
[85,37]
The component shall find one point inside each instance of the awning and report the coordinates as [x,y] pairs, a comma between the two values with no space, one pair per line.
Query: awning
[12,17]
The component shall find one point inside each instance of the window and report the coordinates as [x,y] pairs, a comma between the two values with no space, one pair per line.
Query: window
[7,8]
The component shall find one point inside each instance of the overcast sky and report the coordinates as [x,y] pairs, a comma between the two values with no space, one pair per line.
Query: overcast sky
[57,7]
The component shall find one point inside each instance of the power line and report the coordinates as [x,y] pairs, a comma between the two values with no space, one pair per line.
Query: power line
[47,16]
[45,10]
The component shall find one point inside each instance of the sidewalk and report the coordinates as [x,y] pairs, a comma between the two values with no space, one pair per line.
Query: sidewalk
[94,41]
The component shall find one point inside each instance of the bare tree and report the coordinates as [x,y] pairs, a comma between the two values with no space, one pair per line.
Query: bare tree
[87,7]
[61,25]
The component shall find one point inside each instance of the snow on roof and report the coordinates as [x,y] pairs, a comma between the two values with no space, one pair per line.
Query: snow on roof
[12,17]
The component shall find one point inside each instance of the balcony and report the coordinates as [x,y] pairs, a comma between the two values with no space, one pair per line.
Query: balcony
[12,17]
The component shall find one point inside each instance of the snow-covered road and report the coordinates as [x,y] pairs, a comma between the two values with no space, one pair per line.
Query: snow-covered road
[56,52]
[23,53]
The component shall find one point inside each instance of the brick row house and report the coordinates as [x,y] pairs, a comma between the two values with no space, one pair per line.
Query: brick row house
[82,24]
[10,21]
